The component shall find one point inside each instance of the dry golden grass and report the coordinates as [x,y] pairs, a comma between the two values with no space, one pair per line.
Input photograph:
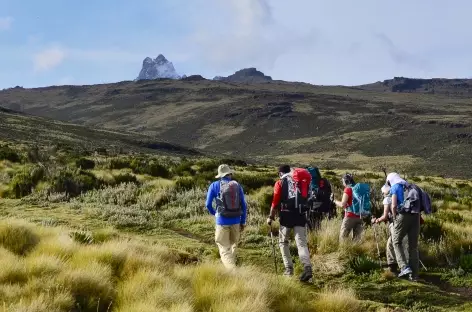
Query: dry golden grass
[338,300]
[58,274]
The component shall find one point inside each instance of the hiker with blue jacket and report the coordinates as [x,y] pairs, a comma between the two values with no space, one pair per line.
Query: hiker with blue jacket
[406,222]
[230,213]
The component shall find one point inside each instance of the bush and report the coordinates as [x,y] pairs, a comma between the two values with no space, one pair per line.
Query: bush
[24,181]
[188,183]
[85,163]
[152,168]
[184,169]
[125,178]
[22,184]
[6,153]
[119,163]
[74,183]
[465,262]
[432,229]
[251,182]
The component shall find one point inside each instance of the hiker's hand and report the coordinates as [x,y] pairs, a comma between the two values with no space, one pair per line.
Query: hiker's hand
[374,220]
[269,221]
[242,226]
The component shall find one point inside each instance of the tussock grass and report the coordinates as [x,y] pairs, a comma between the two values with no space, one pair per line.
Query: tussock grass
[338,300]
[17,237]
[60,274]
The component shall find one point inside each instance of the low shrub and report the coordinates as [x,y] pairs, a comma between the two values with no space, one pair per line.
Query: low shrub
[24,181]
[119,163]
[125,178]
[188,183]
[432,229]
[465,262]
[85,163]
[184,169]
[152,168]
[74,183]
[6,153]
[251,182]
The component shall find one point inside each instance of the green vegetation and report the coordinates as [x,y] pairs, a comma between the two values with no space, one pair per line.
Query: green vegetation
[131,233]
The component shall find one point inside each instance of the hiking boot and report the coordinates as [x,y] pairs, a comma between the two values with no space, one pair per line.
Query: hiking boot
[405,271]
[288,272]
[413,278]
[393,267]
[306,274]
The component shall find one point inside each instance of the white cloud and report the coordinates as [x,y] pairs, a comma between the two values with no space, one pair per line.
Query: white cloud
[49,58]
[251,37]
[6,22]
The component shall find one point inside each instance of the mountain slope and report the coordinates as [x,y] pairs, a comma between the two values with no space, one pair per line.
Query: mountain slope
[275,121]
[22,128]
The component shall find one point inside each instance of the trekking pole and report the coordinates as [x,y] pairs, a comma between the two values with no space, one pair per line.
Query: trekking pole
[273,249]
[377,243]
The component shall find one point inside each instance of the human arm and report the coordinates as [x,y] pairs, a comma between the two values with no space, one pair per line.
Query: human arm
[384,216]
[394,205]
[344,201]
[275,201]
[211,194]
[243,206]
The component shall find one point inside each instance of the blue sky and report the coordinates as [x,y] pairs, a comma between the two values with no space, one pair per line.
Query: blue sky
[53,42]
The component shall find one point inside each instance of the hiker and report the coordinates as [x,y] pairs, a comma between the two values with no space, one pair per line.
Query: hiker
[406,222]
[387,217]
[320,201]
[352,221]
[230,213]
[291,218]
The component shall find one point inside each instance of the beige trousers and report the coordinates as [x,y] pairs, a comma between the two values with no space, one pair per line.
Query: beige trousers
[227,238]
[349,225]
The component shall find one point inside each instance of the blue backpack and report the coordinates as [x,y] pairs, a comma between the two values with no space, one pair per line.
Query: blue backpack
[361,200]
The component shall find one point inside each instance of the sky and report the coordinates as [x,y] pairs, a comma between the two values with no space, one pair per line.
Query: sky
[336,42]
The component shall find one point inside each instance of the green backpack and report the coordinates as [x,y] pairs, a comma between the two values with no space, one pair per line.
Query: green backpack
[361,200]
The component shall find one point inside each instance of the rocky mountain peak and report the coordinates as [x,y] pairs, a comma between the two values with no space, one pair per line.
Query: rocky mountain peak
[250,74]
[158,68]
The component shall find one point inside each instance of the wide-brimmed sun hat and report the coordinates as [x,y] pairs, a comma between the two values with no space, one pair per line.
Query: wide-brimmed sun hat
[223,170]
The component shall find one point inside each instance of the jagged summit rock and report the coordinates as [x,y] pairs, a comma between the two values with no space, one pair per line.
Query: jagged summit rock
[160,67]
[246,75]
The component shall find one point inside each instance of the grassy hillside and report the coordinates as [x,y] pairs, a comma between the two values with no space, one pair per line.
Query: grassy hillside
[337,127]
[25,130]
[130,233]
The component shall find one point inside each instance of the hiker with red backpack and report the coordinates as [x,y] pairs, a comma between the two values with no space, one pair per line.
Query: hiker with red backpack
[290,200]
[356,204]
[230,213]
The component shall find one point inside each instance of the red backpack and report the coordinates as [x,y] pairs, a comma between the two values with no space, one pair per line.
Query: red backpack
[295,189]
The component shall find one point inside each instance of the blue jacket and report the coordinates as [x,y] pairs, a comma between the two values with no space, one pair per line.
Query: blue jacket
[213,192]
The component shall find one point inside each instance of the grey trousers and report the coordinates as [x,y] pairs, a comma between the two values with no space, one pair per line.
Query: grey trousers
[349,225]
[300,240]
[407,225]
[391,258]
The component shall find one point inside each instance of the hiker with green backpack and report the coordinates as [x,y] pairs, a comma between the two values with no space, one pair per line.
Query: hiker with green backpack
[356,204]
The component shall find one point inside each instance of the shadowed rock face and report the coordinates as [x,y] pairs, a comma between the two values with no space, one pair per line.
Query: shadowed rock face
[245,75]
[157,68]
